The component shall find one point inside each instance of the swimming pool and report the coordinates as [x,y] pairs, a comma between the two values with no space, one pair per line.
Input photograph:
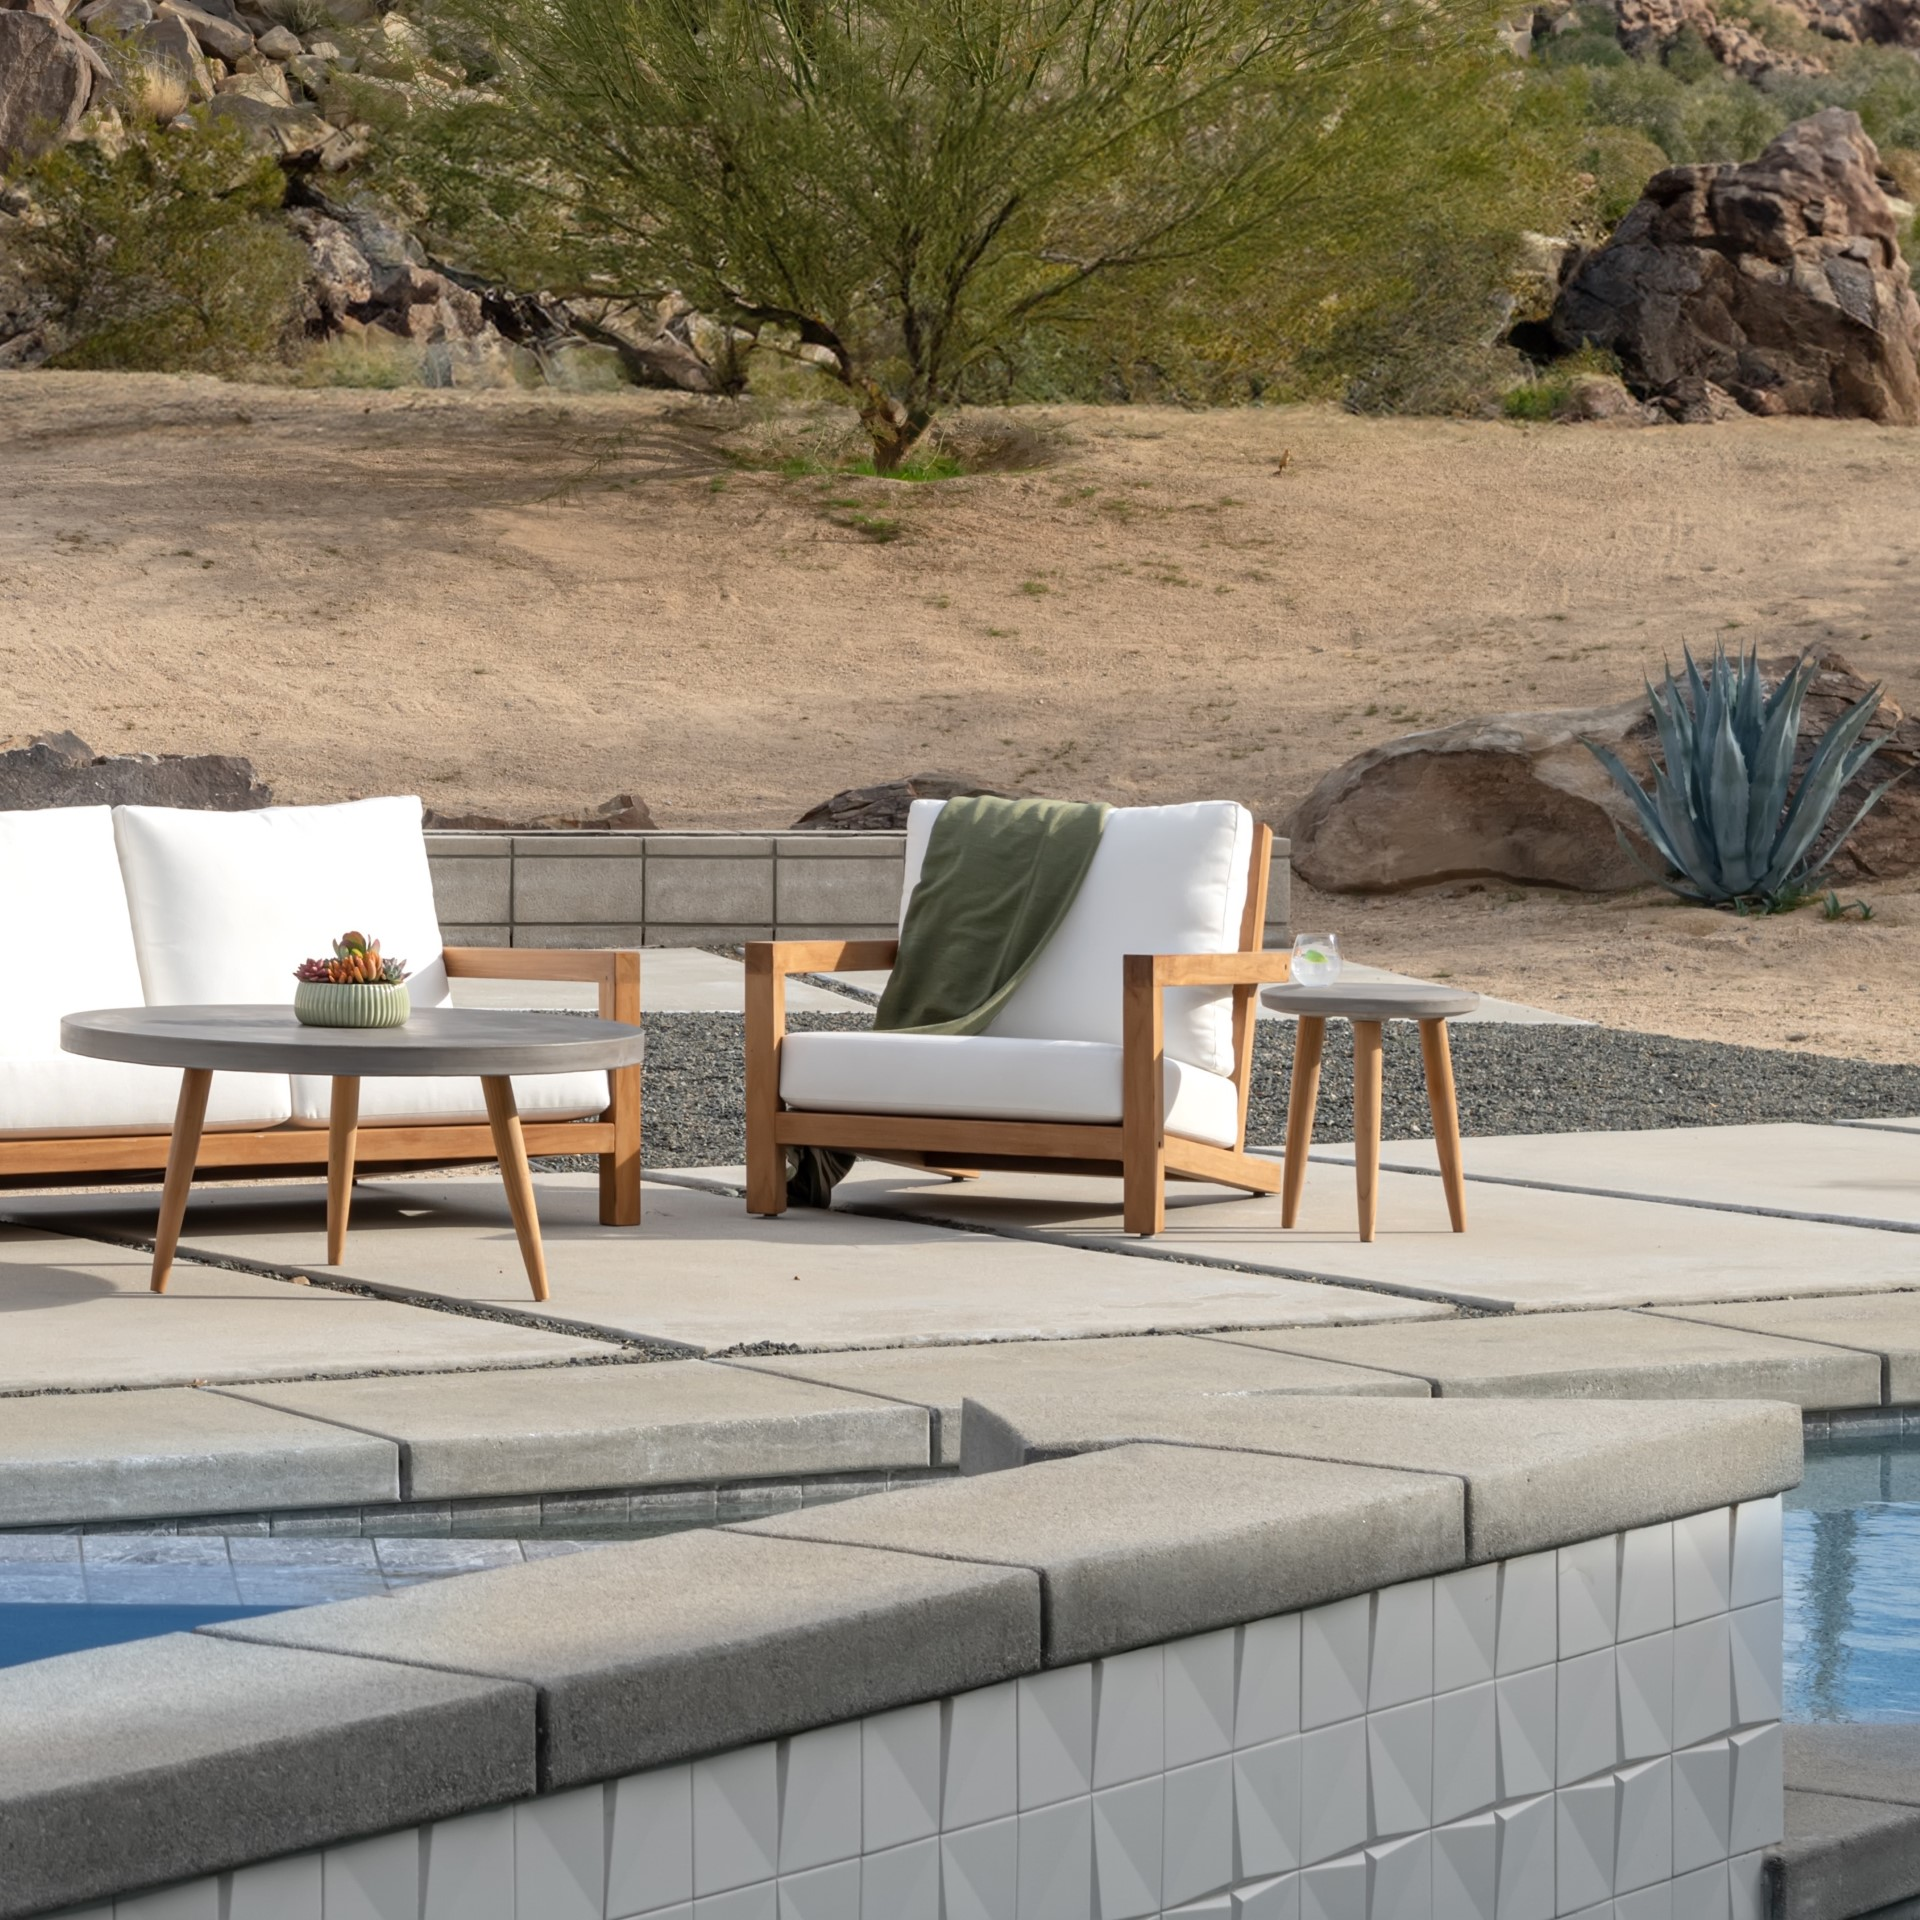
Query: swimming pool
[1853,1582]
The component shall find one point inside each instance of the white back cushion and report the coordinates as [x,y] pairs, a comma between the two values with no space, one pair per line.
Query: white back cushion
[226,905]
[1165,880]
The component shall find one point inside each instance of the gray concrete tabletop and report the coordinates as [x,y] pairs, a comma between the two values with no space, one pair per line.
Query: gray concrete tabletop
[435,1040]
[1371,1000]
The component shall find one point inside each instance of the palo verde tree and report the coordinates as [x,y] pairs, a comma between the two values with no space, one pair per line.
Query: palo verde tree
[900,188]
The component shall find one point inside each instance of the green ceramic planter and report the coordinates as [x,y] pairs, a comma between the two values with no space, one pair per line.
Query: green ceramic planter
[327,1003]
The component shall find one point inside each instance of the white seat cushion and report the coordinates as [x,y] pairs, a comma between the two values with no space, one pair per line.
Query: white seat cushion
[70,950]
[437,1102]
[981,1077]
[1165,880]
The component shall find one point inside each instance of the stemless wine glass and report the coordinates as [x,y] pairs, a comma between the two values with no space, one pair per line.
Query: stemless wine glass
[1316,959]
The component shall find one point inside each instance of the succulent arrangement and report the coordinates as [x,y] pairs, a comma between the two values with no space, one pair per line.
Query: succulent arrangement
[1724,812]
[357,962]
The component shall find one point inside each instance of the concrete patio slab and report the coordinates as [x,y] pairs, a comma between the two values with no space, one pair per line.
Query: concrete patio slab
[76,1314]
[672,980]
[175,1450]
[1536,1472]
[1526,1249]
[1598,1356]
[1145,1543]
[136,1764]
[652,1652]
[1851,1175]
[1884,1326]
[576,1428]
[700,1272]
[1901,1123]
[940,1378]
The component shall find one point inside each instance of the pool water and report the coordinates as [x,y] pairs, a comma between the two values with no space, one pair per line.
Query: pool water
[1853,1583]
[39,1630]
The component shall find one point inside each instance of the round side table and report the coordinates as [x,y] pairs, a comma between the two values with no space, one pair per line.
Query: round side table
[1367,1006]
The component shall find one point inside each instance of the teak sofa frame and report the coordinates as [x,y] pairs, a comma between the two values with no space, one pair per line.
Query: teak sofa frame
[1139,1149]
[83,1159]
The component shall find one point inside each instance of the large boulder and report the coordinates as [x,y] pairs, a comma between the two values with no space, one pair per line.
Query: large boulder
[1779,280]
[61,770]
[882,807]
[624,813]
[45,81]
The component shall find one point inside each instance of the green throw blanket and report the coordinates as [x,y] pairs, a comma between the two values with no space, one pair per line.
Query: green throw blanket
[998,879]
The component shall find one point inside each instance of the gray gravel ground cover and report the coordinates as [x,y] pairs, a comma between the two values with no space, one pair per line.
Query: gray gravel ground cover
[1510,1079]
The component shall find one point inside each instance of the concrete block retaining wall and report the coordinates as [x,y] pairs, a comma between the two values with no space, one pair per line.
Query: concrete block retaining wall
[1591,1731]
[687,889]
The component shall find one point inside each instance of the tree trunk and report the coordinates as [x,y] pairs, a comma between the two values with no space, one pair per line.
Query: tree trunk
[894,428]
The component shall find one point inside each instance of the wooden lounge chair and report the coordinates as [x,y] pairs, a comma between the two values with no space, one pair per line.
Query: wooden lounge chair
[1127,1050]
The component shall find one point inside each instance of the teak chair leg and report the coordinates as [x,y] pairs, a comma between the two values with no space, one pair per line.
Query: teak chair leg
[1143,1128]
[1303,1094]
[189,1116]
[1367,1072]
[343,1126]
[620,1169]
[766,1028]
[1438,1057]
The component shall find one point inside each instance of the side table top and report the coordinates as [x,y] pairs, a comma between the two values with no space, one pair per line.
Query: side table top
[1372,1000]
[268,1039]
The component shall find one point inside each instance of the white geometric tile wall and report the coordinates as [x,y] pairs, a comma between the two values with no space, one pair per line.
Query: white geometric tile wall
[1593,1732]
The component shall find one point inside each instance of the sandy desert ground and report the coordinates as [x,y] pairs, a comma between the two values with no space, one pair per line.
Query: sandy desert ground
[530,602]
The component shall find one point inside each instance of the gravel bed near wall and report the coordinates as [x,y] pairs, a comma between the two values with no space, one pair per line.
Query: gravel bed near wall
[1510,1079]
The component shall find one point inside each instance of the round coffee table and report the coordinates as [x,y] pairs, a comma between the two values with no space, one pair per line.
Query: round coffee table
[268,1039]
[1368,1005]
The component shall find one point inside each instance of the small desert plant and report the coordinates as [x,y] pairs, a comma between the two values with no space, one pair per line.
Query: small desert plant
[1724,812]
[357,962]
[156,91]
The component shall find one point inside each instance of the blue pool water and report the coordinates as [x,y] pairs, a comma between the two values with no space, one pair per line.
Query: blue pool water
[37,1631]
[1853,1583]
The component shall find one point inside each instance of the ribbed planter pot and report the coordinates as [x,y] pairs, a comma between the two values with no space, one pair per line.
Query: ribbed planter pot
[329,1003]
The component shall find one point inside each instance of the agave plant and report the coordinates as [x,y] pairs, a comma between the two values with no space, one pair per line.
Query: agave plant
[1724,812]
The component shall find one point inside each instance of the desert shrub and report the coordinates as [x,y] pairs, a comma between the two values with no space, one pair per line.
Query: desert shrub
[1546,395]
[1621,161]
[167,253]
[372,359]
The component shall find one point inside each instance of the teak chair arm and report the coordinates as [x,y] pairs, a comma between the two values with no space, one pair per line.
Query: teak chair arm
[821,956]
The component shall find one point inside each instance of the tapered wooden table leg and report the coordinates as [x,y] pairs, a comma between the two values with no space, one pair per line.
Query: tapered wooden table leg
[1438,1056]
[1303,1094]
[343,1128]
[510,1149]
[188,1119]
[1367,1074]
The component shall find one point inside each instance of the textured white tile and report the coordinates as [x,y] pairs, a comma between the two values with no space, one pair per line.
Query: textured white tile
[1129,1717]
[1266,1808]
[832,1893]
[1466,1620]
[289,1889]
[650,1857]
[1056,1862]
[560,1854]
[1335,1891]
[1267,1703]
[1702,1804]
[469,1871]
[1333,1791]
[1646,1581]
[980,1871]
[1702,1565]
[1400,1769]
[1525,1705]
[1056,1736]
[1200,1693]
[1588,1730]
[376,1879]
[901,1883]
[1758,1803]
[1526,1890]
[1702,1895]
[1529,1612]
[1197,1857]
[683,1912]
[900,1764]
[1747,1886]
[1277,1899]
[1758,1633]
[1127,1836]
[1702,1680]
[820,1795]
[1643,1670]
[1400,1879]
[1402,1645]
[736,1819]
[1335,1648]
[1466,1869]
[1643,1840]
[1589,1575]
[1466,1771]
[757,1902]
[982,1733]
[1583,1844]
[192,1900]
[1756,1552]
[1651,1903]
[1218,1907]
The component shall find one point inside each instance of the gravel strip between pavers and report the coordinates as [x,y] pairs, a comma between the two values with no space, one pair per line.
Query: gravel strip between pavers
[1510,1079]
